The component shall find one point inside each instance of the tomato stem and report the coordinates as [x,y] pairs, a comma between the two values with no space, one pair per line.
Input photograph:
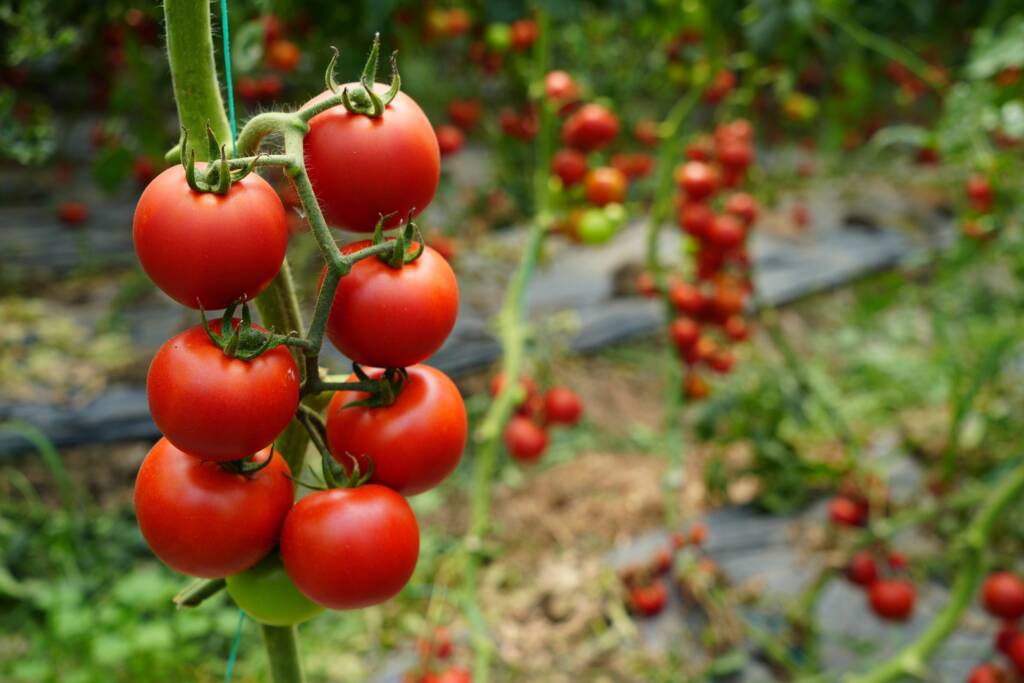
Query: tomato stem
[282,645]
[198,591]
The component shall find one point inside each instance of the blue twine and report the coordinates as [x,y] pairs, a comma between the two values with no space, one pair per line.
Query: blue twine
[234,648]
[227,68]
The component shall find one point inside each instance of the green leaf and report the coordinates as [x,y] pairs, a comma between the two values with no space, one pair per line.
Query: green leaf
[247,46]
[994,52]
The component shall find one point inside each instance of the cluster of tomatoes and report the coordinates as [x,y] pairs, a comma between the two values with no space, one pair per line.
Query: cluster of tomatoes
[213,497]
[526,435]
[1002,596]
[435,650]
[979,224]
[710,306]
[594,183]
[646,585]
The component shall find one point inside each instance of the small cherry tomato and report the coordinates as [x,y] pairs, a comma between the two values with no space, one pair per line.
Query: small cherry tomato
[862,569]
[268,596]
[350,548]
[388,317]
[892,599]
[605,185]
[283,55]
[697,179]
[726,232]
[847,512]
[465,113]
[590,127]
[560,87]
[449,139]
[1003,595]
[743,206]
[569,165]
[525,440]
[73,213]
[686,298]
[684,333]
[649,600]
[204,521]
[220,408]
[562,406]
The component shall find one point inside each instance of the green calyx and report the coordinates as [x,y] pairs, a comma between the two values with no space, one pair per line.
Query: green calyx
[217,176]
[246,465]
[382,392]
[407,235]
[241,340]
[362,99]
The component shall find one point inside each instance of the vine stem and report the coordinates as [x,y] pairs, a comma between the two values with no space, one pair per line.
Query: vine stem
[512,336]
[197,94]
[910,662]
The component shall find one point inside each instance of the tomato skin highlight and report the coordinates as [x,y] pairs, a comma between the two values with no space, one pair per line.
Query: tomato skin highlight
[203,521]
[350,548]
[266,594]
[414,443]
[388,317]
[209,249]
[363,167]
[220,408]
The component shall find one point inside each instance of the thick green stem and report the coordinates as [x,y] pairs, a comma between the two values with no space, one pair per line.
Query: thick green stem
[193,71]
[282,645]
[910,662]
[198,591]
[512,335]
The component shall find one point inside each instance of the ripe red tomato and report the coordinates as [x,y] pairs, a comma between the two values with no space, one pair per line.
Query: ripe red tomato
[362,167]
[350,548]
[897,560]
[698,533]
[735,155]
[633,165]
[736,328]
[722,361]
[1003,595]
[721,86]
[646,133]
[465,113]
[686,298]
[986,673]
[892,599]
[605,185]
[800,215]
[437,645]
[847,512]
[590,127]
[697,179]
[202,520]
[283,55]
[207,249]
[684,332]
[1016,653]
[701,149]
[388,317]
[414,443]
[220,408]
[862,569]
[449,139]
[570,165]
[560,87]
[743,206]
[524,439]
[526,384]
[979,193]
[695,218]
[562,406]
[726,232]
[457,22]
[73,213]
[523,35]
[455,675]
[646,285]
[1007,633]
[143,170]
[266,594]
[648,600]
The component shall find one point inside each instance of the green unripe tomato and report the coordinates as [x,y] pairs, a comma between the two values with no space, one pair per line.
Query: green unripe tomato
[616,213]
[498,36]
[266,594]
[595,227]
